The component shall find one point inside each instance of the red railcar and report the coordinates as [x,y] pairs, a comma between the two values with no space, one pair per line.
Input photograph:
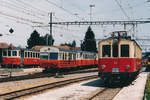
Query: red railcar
[58,58]
[16,57]
[119,58]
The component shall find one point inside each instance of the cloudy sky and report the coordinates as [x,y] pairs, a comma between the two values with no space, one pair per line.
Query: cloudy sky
[24,15]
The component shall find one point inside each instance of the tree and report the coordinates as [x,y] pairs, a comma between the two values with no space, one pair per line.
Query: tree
[34,39]
[74,43]
[89,43]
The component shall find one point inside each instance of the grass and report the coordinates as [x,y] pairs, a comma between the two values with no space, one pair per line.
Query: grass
[147,89]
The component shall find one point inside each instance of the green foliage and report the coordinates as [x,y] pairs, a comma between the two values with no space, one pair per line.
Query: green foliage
[147,90]
[89,43]
[74,43]
[36,39]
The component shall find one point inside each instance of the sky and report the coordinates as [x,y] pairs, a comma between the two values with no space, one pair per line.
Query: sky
[24,16]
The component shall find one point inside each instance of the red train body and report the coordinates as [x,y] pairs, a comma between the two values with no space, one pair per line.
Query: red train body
[119,58]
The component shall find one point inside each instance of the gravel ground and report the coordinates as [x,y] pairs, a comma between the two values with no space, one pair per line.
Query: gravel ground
[17,85]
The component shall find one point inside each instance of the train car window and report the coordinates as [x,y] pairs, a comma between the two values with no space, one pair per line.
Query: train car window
[45,57]
[74,56]
[106,51]
[25,54]
[4,53]
[9,53]
[36,55]
[70,56]
[115,50]
[53,56]
[19,53]
[33,55]
[125,50]
[28,54]
[65,56]
[14,53]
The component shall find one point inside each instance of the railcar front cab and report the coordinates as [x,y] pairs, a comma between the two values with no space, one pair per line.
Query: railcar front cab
[49,57]
[55,58]
[116,56]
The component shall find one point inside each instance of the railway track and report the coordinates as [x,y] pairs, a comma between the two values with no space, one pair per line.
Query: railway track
[102,94]
[42,75]
[33,90]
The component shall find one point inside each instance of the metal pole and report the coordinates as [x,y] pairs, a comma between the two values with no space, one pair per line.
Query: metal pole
[91,11]
[51,15]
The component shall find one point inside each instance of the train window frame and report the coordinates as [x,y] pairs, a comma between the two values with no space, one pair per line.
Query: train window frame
[14,53]
[106,55]
[125,48]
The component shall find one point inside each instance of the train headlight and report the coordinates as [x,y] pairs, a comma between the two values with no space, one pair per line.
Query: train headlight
[127,67]
[103,67]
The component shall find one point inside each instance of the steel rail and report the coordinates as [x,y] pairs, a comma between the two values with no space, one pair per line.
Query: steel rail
[33,90]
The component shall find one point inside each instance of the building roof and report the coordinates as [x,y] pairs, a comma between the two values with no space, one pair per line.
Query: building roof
[60,47]
[5,45]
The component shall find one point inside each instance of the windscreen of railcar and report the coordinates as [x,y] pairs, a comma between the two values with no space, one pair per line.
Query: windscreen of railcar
[106,51]
[44,56]
[125,50]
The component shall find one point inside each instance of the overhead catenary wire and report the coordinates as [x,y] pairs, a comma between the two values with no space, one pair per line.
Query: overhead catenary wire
[20,18]
[124,12]
[19,10]
[38,11]
[62,8]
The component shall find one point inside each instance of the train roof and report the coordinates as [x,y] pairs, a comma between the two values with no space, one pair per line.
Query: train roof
[110,38]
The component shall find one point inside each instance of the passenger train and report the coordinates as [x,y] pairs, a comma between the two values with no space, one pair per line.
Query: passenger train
[17,57]
[59,58]
[48,57]
[119,58]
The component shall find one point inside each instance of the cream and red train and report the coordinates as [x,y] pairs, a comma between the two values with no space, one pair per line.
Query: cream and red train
[59,58]
[119,57]
[17,57]
[47,57]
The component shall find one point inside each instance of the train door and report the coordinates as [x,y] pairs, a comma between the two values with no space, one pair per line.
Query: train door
[116,60]
[1,59]
[22,57]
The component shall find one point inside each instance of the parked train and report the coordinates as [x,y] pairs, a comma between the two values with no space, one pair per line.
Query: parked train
[17,57]
[146,60]
[119,58]
[59,58]
[48,57]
